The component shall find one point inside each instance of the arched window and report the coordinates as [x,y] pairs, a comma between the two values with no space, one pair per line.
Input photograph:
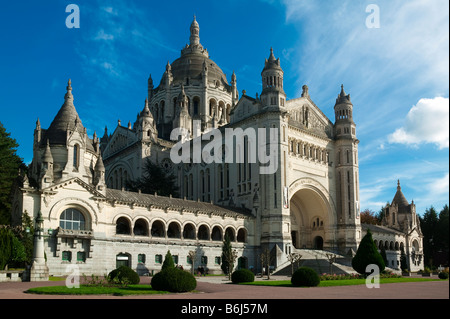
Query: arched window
[203,233]
[72,218]
[242,235]
[216,234]
[123,226]
[174,230]
[76,156]
[158,229]
[189,231]
[140,228]
[230,233]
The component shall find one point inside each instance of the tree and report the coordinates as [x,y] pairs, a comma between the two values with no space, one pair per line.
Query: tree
[367,254]
[266,259]
[429,225]
[168,261]
[228,257]
[369,217]
[155,180]
[10,163]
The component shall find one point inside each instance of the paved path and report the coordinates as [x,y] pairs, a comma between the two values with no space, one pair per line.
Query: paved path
[217,287]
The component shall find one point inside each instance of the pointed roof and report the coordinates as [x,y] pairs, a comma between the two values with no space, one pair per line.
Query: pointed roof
[272,62]
[99,166]
[342,97]
[67,118]
[399,198]
[146,111]
[47,156]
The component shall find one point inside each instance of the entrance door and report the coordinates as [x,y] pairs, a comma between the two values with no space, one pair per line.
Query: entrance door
[318,243]
[122,260]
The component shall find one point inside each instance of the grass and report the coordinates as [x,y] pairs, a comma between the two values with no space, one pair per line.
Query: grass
[96,290]
[332,283]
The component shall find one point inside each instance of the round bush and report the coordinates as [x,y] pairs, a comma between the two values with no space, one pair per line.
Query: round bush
[305,277]
[242,275]
[124,273]
[174,280]
[443,275]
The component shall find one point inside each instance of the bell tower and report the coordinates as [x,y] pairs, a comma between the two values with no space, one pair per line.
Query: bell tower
[272,94]
[347,172]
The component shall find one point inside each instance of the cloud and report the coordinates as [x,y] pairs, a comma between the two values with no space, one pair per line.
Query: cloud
[426,122]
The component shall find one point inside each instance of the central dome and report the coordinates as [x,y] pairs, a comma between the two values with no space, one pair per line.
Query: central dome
[194,58]
[190,66]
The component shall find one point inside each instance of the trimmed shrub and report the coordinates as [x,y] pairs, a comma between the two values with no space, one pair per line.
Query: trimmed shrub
[174,280]
[124,274]
[242,275]
[305,277]
[443,275]
[168,261]
[367,254]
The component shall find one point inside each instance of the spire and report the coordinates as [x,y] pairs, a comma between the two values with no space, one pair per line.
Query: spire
[47,156]
[66,119]
[38,124]
[195,30]
[146,111]
[271,56]
[99,166]
[272,62]
[399,198]
[343,98]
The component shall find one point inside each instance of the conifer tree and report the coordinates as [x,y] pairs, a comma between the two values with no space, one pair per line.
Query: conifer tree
[10,163]
[168,261]
[367,254]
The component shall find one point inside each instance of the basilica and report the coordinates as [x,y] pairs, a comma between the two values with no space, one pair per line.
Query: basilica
[309,202]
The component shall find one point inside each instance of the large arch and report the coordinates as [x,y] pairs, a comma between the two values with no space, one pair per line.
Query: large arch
[313,217]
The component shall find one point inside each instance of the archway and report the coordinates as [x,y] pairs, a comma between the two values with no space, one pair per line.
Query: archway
[312,219]
[318,242]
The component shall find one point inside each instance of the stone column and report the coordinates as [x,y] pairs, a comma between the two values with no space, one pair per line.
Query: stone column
[39,269]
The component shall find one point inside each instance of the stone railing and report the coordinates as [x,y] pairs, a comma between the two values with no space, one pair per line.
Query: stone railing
[11,275]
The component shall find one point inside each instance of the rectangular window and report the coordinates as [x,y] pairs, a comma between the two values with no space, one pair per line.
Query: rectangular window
[67,256]
[81,256]
[204,260]
[188,260]
[217,260]
[175,259]
[158,259]
[141,258]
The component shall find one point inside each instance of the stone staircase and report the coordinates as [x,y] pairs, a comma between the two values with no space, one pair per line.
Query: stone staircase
[317,260]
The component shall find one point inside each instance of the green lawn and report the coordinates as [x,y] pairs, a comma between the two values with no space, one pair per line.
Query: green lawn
[332,283]
[96,290]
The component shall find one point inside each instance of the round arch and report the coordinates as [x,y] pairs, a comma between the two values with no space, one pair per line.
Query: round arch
[158,229]
[174,230]
[313,215]
[189,231]
[203,232]
[140,227]
[216,233]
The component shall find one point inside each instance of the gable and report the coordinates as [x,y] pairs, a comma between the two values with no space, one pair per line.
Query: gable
[304,114]
[74,186]
[120,139]
[244,108]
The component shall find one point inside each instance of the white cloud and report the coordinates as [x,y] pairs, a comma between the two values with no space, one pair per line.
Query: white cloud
[101,35]
[439,186]
[426,122]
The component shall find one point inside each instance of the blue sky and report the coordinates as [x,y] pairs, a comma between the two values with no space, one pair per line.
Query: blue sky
[397,74]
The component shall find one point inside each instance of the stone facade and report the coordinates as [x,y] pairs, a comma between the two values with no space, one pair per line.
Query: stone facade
[309,200]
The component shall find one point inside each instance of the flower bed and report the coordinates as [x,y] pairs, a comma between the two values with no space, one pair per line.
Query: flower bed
[354,276]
